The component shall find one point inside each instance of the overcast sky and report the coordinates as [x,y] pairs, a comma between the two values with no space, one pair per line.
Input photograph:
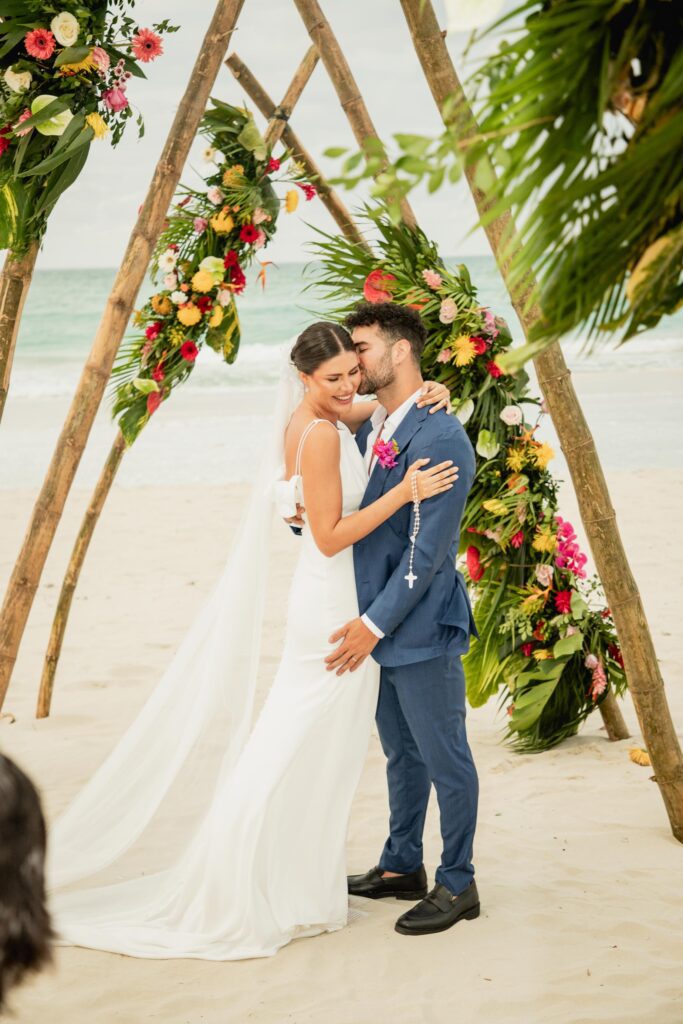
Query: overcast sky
[92,221]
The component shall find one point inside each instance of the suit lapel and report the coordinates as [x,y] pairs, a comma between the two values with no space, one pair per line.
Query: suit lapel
[381,478]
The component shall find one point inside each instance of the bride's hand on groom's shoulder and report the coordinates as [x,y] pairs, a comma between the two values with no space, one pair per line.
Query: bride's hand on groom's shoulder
[357,643]
[435,395]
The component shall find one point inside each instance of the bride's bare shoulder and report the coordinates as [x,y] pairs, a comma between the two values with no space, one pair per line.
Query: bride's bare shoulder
[323,437]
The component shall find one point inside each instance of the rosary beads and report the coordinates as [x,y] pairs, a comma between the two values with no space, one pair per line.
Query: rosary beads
[411,577]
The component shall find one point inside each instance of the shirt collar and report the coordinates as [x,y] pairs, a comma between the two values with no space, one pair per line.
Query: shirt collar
[391,423]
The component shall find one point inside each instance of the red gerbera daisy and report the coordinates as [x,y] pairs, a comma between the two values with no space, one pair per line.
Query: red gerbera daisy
[480,345]
[189,351]
[146,45]
[248,234]
[39,43]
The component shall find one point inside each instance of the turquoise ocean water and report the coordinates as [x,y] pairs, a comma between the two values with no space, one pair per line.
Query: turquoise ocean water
[64,307]
[212,431]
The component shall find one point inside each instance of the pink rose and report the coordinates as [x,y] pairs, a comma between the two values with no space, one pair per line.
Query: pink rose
[444,356]
[23,116]
[200,224]
[115,99]
[214,195]
[260,216]
[260,240]
[101,58]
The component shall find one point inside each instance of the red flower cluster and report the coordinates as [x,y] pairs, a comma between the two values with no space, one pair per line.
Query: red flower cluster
[308,190]
[517,539]
[494,369]
[4,143]
[152,332]
[153,401]
[616,655]
[204,303]
[377,285]
[527,648]
[237,279]
[563,601]
[474,566]
[480,345]
[189,351]
[273,165]
[249,234]
[230,259]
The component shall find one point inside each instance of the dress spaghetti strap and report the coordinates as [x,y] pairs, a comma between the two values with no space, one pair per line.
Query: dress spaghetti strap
[304,435]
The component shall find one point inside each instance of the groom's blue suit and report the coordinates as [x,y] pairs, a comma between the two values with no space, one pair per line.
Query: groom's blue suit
[421,708]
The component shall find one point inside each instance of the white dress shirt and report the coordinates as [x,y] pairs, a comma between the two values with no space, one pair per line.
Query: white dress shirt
[387,426]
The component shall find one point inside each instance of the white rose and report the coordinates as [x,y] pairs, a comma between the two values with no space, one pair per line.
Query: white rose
[171,281]
[65,28]
[167,261]
[18,81]
[178,297]
[224,297]
[511,415]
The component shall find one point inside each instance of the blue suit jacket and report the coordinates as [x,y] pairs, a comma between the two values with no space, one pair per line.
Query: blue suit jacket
[435,616]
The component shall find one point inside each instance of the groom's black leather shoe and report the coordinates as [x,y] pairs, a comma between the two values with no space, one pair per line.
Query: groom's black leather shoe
[440,910]
[403,887]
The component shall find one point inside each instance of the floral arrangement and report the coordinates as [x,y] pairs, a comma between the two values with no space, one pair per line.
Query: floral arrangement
[64,71]
[211,236]
[547,642]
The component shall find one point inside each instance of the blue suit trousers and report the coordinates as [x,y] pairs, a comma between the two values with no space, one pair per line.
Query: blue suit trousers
[421,722]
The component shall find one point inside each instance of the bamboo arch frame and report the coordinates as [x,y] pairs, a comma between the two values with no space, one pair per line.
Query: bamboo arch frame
[645,681]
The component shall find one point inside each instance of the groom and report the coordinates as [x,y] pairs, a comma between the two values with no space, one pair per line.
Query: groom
[416,622]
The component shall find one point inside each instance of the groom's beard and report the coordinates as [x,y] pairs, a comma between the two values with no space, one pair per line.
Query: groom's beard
[381,377]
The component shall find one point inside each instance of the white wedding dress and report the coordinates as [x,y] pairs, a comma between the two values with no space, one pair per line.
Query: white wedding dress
[216,840]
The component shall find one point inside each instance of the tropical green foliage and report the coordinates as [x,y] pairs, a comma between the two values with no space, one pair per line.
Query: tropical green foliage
[547,643]
[64,69]
[580,115]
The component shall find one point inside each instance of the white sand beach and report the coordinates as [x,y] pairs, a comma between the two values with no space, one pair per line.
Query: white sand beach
[579,876]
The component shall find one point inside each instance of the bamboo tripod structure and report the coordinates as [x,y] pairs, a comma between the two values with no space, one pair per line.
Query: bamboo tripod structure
[49,506]
[17,274]
[276,126]
[597,513]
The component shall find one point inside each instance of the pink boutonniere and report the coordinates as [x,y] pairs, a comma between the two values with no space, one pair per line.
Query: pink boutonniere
[386,452]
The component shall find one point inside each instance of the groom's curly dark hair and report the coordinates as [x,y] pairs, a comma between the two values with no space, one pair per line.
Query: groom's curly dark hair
[394,321]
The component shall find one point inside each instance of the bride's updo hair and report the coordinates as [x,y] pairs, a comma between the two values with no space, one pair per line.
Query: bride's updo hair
[318,343]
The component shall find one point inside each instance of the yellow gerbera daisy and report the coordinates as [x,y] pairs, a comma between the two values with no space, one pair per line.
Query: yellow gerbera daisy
[98,125]
[291,200]
[87,64]
[464,350]
[516,459]
[542,455]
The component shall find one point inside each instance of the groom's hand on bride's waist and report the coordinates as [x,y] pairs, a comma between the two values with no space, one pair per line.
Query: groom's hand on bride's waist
[357,643]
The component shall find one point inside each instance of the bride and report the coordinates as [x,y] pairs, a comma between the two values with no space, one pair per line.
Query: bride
[201,836]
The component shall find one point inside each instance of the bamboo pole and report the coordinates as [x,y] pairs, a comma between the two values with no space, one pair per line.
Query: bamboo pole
[75,432]
[17,274]
[598,515]
[344,83]
[328,196]
[60,621]
[73,572]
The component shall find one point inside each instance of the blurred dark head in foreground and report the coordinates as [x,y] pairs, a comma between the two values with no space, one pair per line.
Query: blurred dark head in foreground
[25,930]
